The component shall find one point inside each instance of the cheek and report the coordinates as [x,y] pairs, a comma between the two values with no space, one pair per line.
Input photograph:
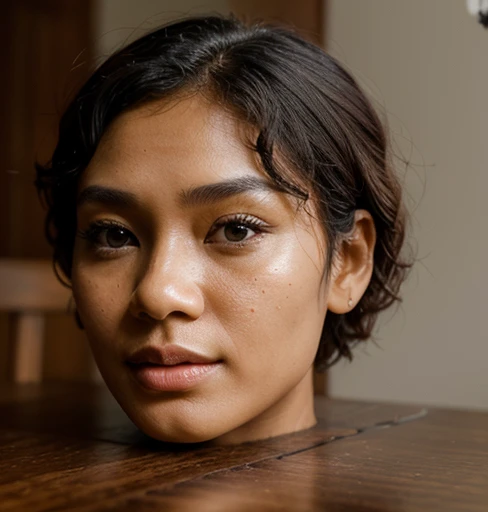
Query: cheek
[100,298]
[272,309]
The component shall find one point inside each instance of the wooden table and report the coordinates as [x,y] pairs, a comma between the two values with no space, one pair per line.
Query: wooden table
[71,448]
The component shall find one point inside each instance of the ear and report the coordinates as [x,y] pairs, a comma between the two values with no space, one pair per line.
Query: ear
[352,266]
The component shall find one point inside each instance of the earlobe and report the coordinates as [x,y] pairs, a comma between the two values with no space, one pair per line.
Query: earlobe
[352,267]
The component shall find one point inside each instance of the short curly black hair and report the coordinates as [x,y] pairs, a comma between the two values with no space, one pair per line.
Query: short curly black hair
[318,136]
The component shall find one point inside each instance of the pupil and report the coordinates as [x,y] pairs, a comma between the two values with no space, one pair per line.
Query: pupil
[117,237]
[235,232]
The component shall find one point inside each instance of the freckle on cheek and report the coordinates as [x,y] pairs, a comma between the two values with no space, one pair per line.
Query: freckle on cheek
[252,310]
[263,291]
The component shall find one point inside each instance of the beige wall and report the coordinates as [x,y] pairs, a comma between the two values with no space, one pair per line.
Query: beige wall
[120,20]
[426,62]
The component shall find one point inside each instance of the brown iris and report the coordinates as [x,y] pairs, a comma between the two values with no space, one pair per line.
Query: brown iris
[235,232]
[117,237]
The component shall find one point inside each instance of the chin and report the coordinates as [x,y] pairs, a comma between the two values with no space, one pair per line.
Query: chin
[178,434]
[169,426]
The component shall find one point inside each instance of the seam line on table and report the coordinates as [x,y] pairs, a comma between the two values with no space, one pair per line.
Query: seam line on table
[380,425]
[152,494]
[377,426]
[156,492]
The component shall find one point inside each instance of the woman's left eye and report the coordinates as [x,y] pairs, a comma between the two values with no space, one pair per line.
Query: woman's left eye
[235,230]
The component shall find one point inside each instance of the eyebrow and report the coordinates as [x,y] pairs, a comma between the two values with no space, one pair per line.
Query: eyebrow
[107,195]
[215,192]
[204,194]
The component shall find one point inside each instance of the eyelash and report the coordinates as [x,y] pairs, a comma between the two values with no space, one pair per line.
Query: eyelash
[242,219]
[94,230]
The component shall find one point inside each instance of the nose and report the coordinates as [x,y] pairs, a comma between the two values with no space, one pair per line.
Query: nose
[168,285]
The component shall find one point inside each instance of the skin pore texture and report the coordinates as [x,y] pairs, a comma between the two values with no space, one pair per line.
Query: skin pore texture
[183,242]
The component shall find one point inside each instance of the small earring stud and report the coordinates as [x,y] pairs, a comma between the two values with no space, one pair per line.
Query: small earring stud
[350,303]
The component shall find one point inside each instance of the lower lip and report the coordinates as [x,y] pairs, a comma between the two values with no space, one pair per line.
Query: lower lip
[180,377]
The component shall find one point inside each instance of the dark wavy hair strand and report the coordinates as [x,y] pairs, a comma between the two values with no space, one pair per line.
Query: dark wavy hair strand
[318,137]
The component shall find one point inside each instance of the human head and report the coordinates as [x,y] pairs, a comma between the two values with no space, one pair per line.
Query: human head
[315,134]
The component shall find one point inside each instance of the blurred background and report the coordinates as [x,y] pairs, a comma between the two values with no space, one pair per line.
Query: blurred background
[424,66]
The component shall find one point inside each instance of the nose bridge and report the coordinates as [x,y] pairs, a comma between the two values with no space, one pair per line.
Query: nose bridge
[170,253]
[169,279]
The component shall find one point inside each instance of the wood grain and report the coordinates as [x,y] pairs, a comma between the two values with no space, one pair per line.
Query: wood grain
[31,285]
[72,448]
[438,463]
[45,55]
[27,342]
[28,292]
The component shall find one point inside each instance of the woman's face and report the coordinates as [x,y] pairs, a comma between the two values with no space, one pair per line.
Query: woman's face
[199,285]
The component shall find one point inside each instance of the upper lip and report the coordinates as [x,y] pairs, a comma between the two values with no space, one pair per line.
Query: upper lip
[168,355]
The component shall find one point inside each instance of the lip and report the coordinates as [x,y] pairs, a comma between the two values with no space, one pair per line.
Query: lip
[170,368]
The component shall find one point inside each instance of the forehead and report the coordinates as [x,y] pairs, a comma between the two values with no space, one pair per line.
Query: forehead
[187,138]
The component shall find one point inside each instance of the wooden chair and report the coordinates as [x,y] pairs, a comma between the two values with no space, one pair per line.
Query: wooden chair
[28,290]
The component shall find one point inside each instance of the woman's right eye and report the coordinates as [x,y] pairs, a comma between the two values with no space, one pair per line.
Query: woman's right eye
[109,236]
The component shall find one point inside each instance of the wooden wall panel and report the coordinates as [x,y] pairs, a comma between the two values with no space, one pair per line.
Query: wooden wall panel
[43,44]
[40,42]
[6,65]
